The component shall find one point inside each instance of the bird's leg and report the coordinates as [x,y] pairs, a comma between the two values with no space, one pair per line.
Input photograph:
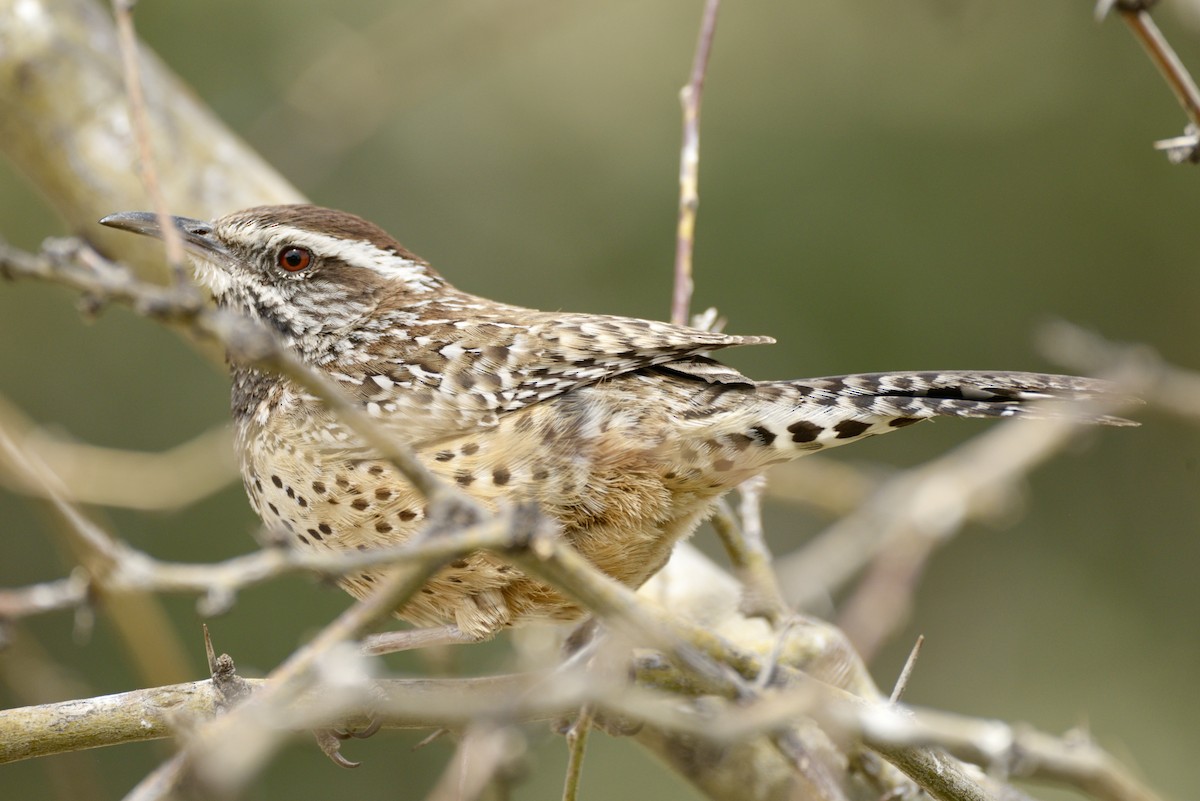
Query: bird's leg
[389,642]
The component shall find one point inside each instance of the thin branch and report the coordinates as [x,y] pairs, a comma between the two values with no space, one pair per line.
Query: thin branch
[761,596]
[577,737]
[1165,59]
[1135,14]
[689,167]
[1164,386]
[127,42]
[1010,751]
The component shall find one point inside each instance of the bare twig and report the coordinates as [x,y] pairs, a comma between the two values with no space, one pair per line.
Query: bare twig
[127,41]
[1164,386]
[577,737]
[751,563]
[1135,14]
[689,166]
[1019,752]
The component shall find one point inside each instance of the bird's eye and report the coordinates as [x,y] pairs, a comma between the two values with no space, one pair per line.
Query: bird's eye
[294,259]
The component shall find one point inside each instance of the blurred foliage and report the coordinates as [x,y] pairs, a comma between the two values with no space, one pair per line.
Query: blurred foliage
[883,186]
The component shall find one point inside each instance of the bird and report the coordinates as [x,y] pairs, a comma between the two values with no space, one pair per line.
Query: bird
[624,432]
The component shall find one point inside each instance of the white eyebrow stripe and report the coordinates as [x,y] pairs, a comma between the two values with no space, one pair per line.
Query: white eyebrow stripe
[357,253]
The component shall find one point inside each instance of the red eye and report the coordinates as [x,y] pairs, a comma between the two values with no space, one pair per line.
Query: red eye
[293,259]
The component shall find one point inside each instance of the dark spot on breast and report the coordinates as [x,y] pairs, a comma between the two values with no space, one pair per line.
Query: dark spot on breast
[407,514]
[316,535]
[258,485]
[383,527]
[454,579]
[500,476]
[325,529]
[360,503]
[291,493]
[443,456]
[300,499]
[273,509]
[277,481]
[383,493]
[318,487]
[850,428]
[302,538]
[342,482]
[375,470]
[763,434]
[464,479]
[901,422]
[540,475]
[368,578]
[459,563]
[470,448]
[426,591]
[804,431]
[722,465]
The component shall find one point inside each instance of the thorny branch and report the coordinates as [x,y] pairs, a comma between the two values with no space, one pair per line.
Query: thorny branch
[901,733]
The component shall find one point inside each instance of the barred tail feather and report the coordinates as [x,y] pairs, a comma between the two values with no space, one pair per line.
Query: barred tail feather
[831,411]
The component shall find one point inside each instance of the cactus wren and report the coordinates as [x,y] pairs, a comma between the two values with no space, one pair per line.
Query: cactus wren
[622,430]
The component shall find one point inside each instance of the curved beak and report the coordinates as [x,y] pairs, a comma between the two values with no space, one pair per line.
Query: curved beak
[196,234]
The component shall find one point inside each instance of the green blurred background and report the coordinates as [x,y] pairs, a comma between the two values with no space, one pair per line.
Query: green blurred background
[884,186]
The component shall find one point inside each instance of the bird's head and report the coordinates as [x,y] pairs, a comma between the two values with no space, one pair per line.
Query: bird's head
[311,273]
